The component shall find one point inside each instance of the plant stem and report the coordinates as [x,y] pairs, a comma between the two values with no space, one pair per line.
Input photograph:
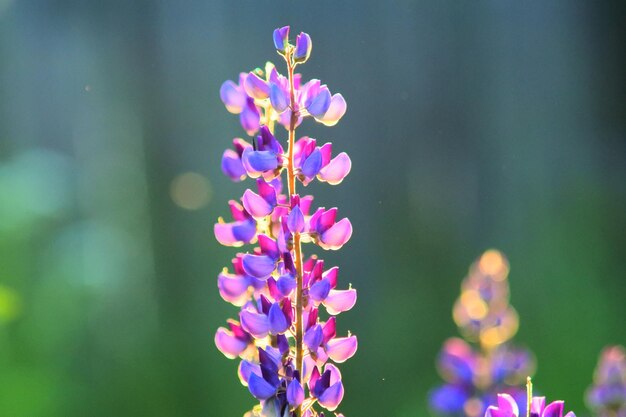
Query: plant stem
[296,236]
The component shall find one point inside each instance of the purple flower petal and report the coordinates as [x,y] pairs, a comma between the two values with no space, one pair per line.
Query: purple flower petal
[331,397]
[246,369]
[335,237]
[313,337]
[295,220]
[228,344]
[507,407]
[281,37]
[260,388]
[303,48]
[320,290]
[255,324]
[232,166]
[312,164]
[233,97]
[286,285]
[256,87]
[279,98]
[256,162]
[233,288]
[320,103]
[269,246]
[335,112]
[336,170]
[449,399]
[537,406]
[277,321]
[554,409]
[339,301]
[235,234]
[250,118]
[256,205]
[295,393]
[258,266]
[341,349]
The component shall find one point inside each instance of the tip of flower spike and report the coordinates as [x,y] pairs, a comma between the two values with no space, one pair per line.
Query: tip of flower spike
[303,48]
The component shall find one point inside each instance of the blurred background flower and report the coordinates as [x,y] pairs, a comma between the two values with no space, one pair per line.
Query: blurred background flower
[475,375]
[471,125]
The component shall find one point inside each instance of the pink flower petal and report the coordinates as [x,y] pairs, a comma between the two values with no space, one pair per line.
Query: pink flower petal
[339,301]
[342,348]
[337,169]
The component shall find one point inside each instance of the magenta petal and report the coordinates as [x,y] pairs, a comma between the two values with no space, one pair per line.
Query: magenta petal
[277,321]
[336,170]
[342,348]
[329,329]
[331,397]
[256,87]
[224,234]
[554,409]
[228,344]
[233,97]
[335,237]
[295,393]
[570,414]
[260,388]
[256,205]
[339,301]
[255,324]
[507,407]
[537,406]
[258,266]
[335,111]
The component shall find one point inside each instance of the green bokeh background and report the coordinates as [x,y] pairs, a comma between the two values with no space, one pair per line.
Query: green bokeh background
[470,125]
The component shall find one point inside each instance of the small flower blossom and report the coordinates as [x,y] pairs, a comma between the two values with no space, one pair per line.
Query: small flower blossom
[287,351]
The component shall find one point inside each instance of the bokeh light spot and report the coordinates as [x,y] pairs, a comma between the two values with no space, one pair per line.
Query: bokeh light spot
[190,191]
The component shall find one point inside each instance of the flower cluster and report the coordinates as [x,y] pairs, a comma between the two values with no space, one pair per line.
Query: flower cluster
[285,334]
[474,375]
[607,396]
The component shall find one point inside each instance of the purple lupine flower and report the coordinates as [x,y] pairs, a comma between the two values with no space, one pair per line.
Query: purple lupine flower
[475,375]
[288,352]
[607,396]
[508,407]
[242,230]
[311,99]
[327,232]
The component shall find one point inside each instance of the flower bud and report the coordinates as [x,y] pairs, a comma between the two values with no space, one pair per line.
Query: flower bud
[281,38]
[303,48]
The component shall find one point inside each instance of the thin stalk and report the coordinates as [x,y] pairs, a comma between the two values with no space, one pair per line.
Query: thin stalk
[296,236]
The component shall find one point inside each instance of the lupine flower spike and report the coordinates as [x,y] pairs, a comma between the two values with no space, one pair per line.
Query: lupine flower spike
[285,333]
[535,406]
[607,396]
[474,375]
